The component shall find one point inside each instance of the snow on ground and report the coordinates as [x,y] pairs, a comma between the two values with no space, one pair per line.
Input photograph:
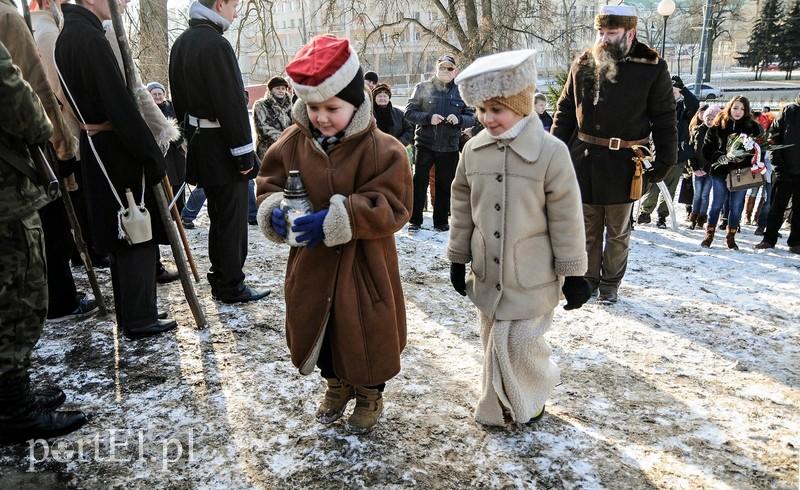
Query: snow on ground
[691,381]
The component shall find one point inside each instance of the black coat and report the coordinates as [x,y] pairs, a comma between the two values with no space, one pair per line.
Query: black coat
[176,158]
[640,104]
[685,110]
[400,128]
[786,131]
[716,144]
[92,74]
[697,161]
[547,121]
[206,83]
[431,98]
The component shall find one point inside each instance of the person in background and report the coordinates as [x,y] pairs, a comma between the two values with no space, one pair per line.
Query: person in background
[686,106]
[390,119]
[700,166]
[540,106]
[786,178]
[371,80]
[439,113]
[735,118]
[209,96]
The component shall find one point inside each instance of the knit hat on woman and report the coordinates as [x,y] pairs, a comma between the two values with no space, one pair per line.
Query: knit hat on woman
[277,82]
[327,67]
[382,88]
[507,78]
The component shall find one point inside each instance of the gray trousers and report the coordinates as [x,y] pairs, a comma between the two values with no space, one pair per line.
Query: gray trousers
[607,263]
[654,196]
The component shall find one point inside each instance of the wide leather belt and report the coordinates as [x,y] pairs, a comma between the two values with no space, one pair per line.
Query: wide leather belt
[203,123]
[93,129]
[611,143]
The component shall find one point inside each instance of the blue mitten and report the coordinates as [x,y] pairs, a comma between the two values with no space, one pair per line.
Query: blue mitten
[309,228]
[278,222]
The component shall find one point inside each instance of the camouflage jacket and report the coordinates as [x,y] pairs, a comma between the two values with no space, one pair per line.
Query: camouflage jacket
[22,122]
[271,117]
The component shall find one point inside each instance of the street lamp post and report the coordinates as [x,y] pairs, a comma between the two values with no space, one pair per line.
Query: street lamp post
[665,8]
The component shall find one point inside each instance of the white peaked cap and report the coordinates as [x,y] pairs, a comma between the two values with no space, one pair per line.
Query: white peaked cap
[621,10]
[497,75]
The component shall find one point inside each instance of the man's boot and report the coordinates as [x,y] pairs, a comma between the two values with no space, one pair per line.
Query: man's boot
[335,401]
[661,223]
[748,209]
[643,219]
[730,239]
[710,231]
[763,245]
[693,221]
[21,419]
[369,407]
[723,223]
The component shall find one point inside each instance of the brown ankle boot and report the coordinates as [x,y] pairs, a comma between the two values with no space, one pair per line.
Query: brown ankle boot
[710,231]
[748,209]
[730,239]
[336,398]
[693,221]
[369,407]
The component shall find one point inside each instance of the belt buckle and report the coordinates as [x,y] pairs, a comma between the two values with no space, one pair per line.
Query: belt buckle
[614,143]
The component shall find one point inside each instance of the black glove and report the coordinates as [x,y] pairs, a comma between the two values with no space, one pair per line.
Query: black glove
[67,167]
[248,161]
[458,273]
[577,291]
[657,173]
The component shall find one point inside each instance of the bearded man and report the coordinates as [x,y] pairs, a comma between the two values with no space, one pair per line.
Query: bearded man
[618,95]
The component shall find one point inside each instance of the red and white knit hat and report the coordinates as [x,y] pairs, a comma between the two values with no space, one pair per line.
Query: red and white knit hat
[327,67]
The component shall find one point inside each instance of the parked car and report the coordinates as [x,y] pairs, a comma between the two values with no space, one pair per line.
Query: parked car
[707,92]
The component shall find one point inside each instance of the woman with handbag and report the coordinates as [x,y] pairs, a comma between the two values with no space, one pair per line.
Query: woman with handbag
[735,119]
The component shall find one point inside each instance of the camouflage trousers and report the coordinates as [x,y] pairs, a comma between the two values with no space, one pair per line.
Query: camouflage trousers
[23,292]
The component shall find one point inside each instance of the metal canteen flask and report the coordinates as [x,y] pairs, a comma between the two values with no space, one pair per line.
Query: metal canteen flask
[136,221]
[295,204]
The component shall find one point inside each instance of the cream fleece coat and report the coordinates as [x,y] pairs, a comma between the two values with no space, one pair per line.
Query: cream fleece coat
[517,219]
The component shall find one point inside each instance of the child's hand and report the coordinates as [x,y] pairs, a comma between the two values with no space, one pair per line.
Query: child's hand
[458,274]
[309,228]
[278,222]
[577,291]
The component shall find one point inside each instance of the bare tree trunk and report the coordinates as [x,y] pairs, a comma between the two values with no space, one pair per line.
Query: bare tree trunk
[153,42]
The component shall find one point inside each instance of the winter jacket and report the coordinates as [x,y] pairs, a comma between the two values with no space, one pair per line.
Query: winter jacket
[716,144]
[22,122]
[351,284]
[698,161]
[685,110]
[432,97]
[18,40]
[517,219]
[176,156]
[638,105]
[786,131]
[547,121]
[206,83]
[270,117]
[400,128]
[92,75]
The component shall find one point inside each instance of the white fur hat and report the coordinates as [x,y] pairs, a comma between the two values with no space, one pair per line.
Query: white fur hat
[497,75]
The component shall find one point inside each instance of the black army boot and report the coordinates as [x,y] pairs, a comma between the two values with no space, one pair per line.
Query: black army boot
[21,419]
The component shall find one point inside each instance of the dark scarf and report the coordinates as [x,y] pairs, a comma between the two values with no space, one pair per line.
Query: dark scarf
[326,142]
[383,116]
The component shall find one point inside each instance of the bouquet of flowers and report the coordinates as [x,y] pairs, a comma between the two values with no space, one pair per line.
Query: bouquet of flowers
[742,145]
